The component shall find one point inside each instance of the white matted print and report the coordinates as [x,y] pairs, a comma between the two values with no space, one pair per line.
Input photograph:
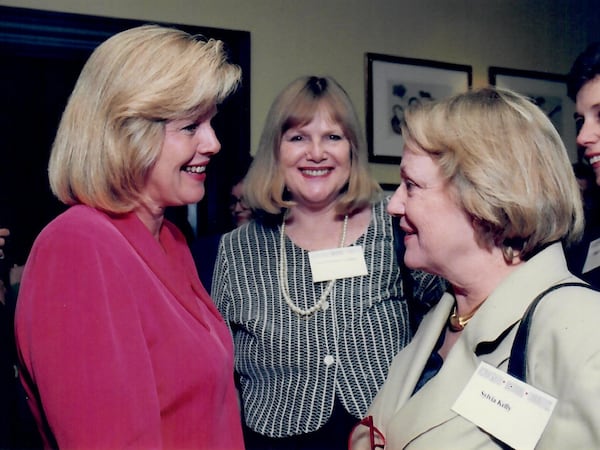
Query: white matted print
[546,90]
[393,83]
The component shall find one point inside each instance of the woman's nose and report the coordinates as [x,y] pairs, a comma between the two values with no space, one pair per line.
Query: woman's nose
[208,141]
[316,152]
[395,206]
[588,134]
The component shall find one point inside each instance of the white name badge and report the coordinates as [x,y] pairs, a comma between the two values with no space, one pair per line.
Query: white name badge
[513,411]
[592,259]
[335,263]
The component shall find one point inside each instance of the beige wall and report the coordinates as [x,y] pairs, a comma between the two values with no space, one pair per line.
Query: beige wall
[296,37]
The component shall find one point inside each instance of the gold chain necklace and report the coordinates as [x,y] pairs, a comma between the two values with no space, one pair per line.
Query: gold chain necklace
[283,277]
[457,323]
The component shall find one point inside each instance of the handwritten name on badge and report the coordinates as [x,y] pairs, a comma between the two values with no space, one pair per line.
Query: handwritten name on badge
[509,409]
[336,263]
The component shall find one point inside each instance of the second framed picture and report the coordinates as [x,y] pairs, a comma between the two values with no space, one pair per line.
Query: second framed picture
[546,90]
[393,83]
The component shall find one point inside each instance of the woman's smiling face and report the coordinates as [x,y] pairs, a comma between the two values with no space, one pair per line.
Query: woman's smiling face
[315,161]
[588,122]
[436,227]
[177,177]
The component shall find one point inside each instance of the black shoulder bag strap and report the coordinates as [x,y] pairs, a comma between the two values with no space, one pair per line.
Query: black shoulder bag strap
[518,353]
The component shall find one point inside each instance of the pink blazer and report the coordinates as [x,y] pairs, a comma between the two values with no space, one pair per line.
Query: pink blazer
[121,345]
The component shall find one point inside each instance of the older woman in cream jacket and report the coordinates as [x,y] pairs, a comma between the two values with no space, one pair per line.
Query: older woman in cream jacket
[487,196]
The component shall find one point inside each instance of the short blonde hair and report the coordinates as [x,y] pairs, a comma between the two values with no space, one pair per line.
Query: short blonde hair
[112,129]
[296,105]
[506,164]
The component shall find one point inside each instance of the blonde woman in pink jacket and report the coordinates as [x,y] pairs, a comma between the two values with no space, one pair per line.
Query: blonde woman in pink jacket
[121,346]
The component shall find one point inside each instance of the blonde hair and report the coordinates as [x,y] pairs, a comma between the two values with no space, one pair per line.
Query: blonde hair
[506,164]
[112,129]
[296,105]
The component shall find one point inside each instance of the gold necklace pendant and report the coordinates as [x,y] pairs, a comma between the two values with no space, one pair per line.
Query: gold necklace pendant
[457,323]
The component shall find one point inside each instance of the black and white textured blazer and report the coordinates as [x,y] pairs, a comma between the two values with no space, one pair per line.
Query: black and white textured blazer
[291,368]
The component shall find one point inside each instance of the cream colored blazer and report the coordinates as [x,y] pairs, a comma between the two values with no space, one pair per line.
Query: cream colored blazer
[563,360]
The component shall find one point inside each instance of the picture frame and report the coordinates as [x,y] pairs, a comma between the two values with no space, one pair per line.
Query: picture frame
[549,92]
[392,83]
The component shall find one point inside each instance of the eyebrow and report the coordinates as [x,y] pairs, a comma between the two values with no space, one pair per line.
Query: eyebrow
[403,173]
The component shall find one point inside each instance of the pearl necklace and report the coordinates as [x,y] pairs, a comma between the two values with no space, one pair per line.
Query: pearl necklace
[283,278]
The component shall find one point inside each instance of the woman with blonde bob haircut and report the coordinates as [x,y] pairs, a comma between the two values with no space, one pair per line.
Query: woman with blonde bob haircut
[120,344]
[112,129]
[487,197]
[294,107]
[520,198]
[311,351]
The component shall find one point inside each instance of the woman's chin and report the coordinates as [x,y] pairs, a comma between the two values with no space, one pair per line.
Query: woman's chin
[195,196]
[413,262]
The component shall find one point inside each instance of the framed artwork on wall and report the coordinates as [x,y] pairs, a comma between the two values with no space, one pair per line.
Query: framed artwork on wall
[546,90]
[393,83]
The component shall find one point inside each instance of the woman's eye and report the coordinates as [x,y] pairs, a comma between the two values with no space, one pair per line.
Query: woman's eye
[335,137]
[191,128]
[295,138]
[409,185]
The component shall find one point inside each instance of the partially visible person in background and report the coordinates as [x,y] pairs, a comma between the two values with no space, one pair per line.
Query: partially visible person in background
[8,356]
[4,233]
[11,270]
[121,345]
[586,180]
[583,87]
[240,211]
[204,248]
[314,338]
[17,427]
[487,195]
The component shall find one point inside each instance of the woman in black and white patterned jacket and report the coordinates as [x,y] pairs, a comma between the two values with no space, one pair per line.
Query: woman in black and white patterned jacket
[312,289]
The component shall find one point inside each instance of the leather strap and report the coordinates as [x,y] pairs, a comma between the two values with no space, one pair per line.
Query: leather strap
[518,353]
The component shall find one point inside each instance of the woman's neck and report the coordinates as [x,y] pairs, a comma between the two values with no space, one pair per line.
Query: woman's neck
[318,230]
[474,282]
[313,230]
[470,297]
[152,218]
